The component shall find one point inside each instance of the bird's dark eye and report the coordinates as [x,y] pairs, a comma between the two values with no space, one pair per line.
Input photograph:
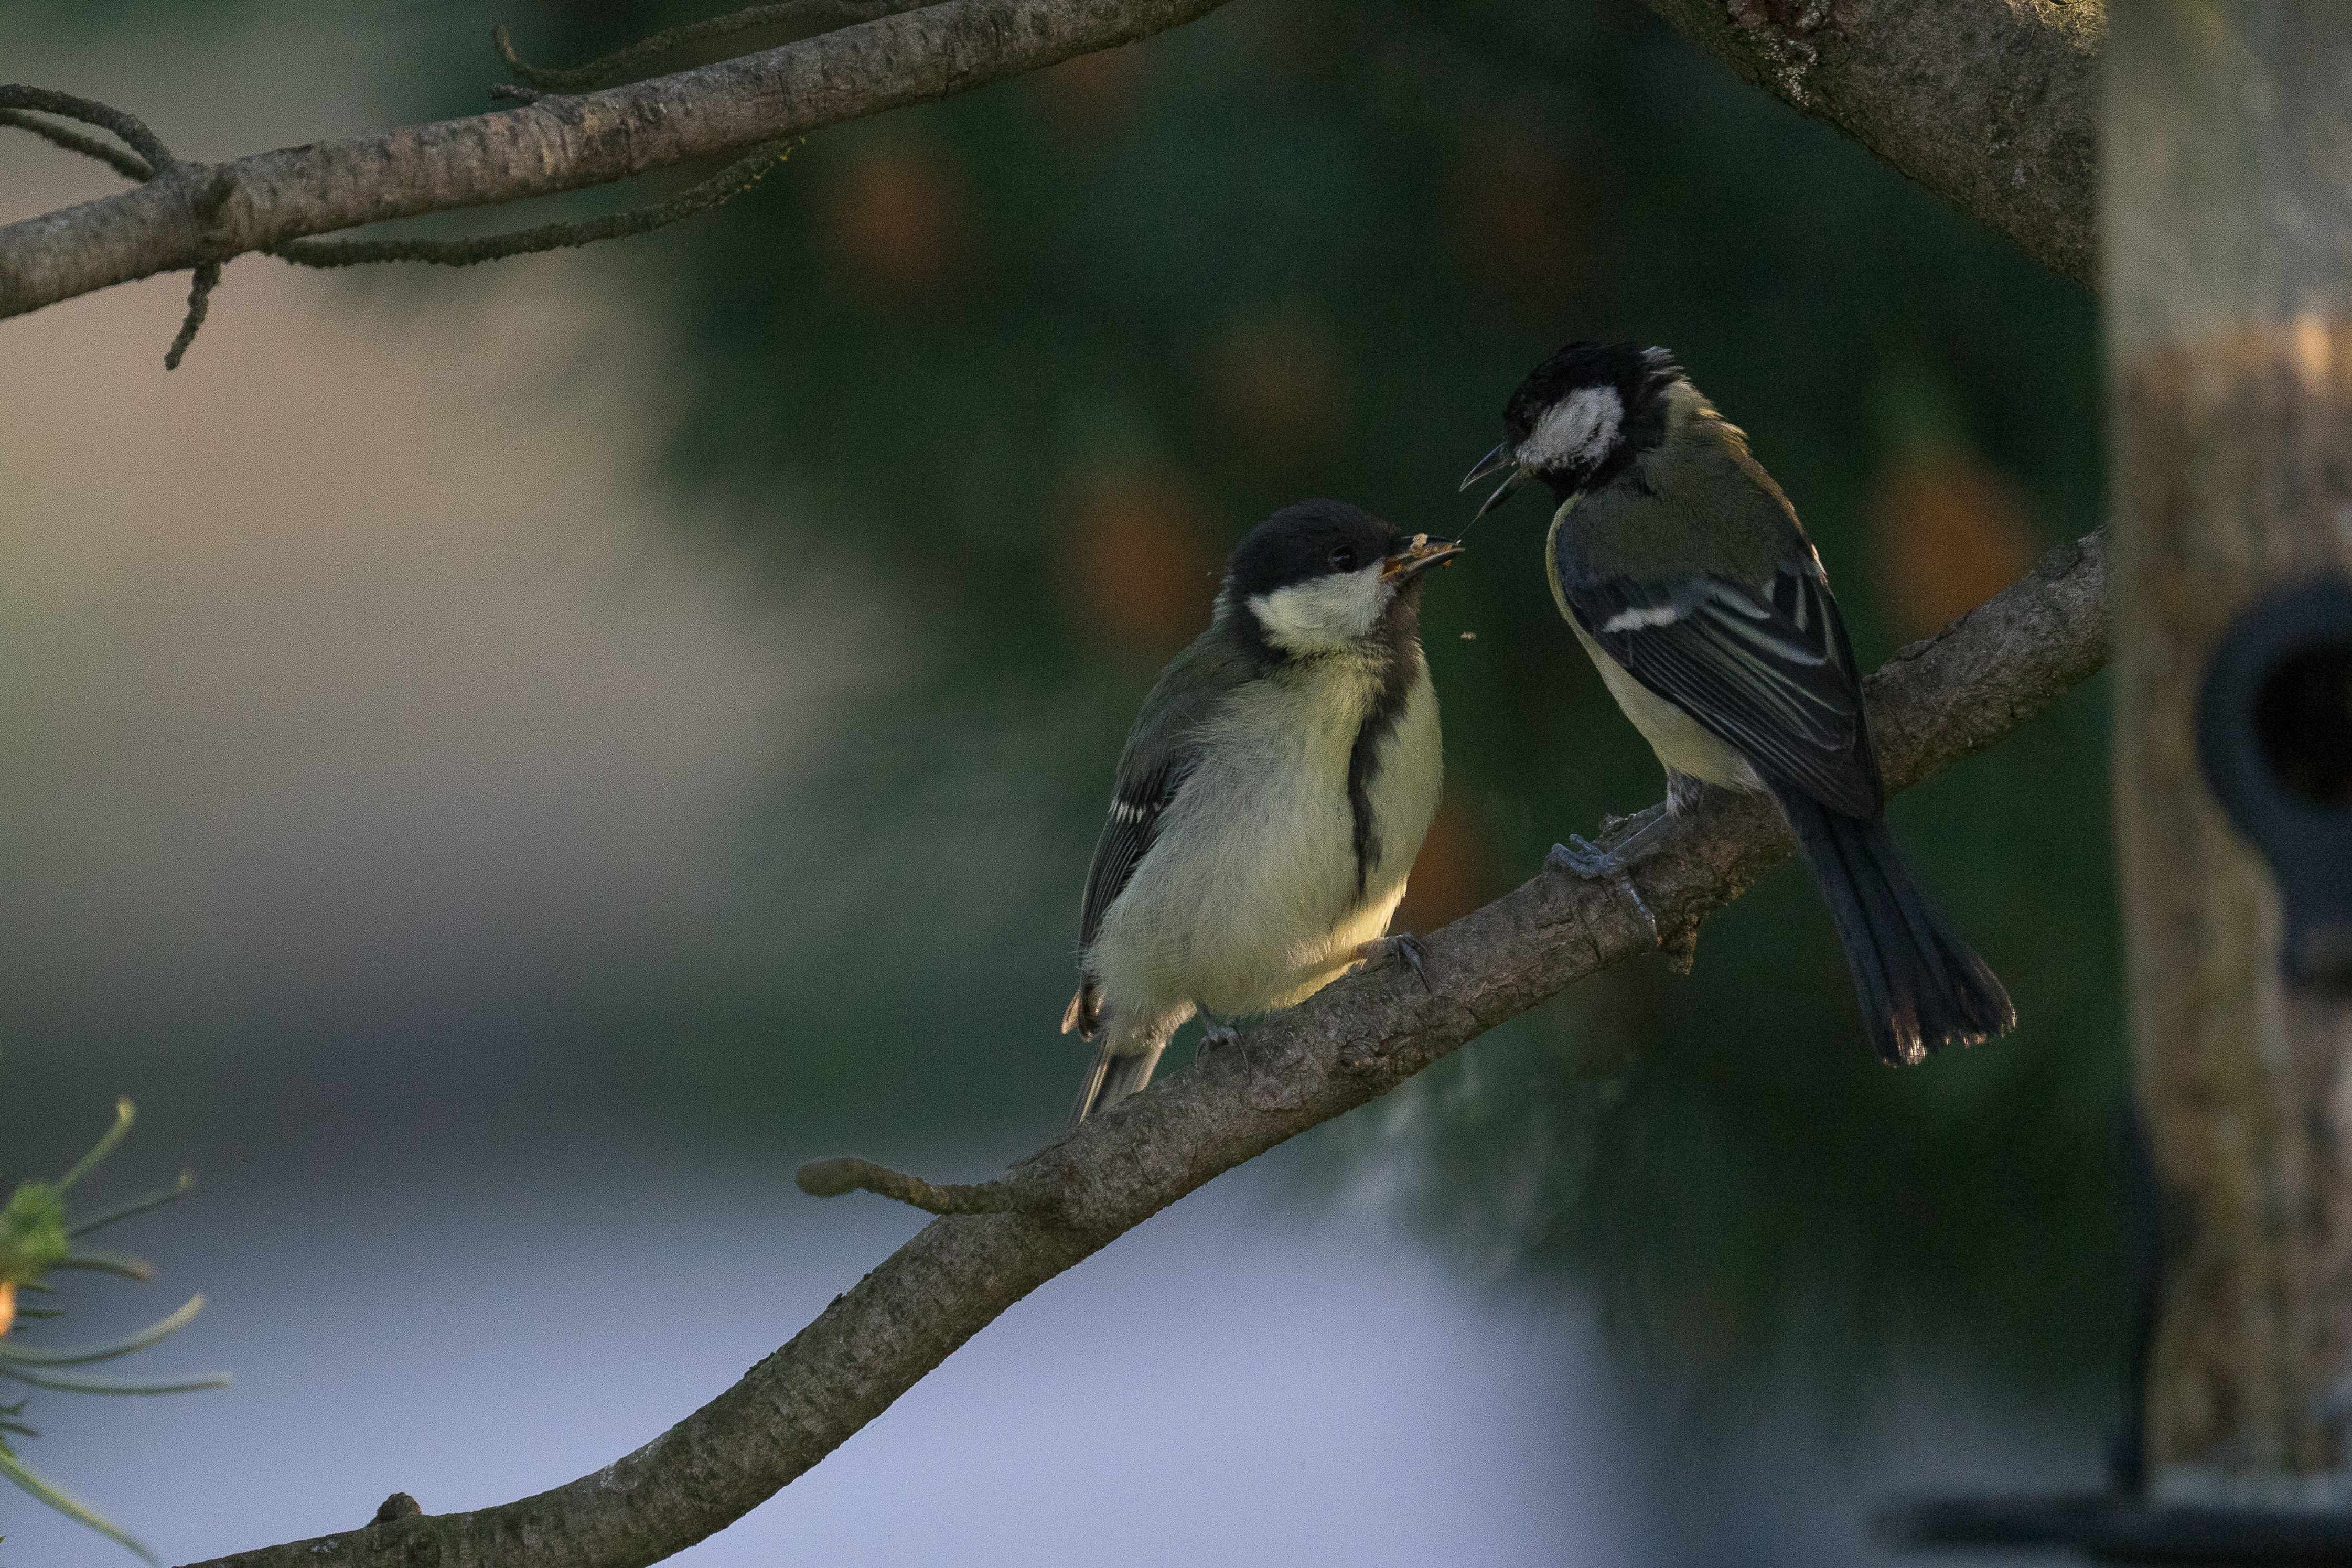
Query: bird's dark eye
[1343,559]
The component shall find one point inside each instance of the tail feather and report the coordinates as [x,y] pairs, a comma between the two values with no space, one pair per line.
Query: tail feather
[1920,984]
[1132,1039]
[1120,1070]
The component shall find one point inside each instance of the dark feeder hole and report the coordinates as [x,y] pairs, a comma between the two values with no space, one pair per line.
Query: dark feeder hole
[2274,738]
[2303,718]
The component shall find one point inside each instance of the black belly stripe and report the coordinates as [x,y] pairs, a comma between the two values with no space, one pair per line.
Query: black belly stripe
[1364,757]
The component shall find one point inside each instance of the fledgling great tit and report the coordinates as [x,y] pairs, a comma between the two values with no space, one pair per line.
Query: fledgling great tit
[1272,797]
[1685,574]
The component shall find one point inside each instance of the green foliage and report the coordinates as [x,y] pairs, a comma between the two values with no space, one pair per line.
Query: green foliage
[33,1238]
[38,1238]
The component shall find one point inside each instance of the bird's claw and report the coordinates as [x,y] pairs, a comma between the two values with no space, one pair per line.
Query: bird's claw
[1586,858]
[1217,1037]
[1403,947]
[1589,861]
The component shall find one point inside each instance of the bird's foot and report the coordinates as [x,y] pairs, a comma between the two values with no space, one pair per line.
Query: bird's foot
[1401,947]
[1585,859]
[1622,840]
[1217,1037]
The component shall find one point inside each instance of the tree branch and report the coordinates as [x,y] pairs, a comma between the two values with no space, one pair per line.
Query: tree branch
[556,143]
[1932,704]
[1991,104]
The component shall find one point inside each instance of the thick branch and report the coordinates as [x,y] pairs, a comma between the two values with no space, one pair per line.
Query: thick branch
[1991,104]
[1934,703]
[557,143]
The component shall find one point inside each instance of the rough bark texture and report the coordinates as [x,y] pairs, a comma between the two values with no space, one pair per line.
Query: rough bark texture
[2229,293]
[1934,703]
[212,213]
[1991,104]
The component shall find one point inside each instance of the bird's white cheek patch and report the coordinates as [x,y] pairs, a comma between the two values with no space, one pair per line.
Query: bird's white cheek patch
[1641,619]
[1324,612]
[1575,432]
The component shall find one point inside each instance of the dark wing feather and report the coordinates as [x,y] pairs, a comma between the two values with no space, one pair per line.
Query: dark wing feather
[1134,824]
[1160,754]
[1772,674]
[1136,808]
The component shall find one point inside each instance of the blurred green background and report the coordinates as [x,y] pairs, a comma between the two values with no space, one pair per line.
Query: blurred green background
[1039,355]
[996,382]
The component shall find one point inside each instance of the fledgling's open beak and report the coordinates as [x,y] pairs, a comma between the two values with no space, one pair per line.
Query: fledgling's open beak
[1494,462]
[1417,557]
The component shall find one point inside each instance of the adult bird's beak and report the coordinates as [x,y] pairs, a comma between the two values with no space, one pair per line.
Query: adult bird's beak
[1493,463]
[1417,557]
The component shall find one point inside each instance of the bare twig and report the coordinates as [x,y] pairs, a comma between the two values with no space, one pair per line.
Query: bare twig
[200,302]
[605,70]
[90,111]
[717,191]
[1933,704]
[562,144]
[130,165]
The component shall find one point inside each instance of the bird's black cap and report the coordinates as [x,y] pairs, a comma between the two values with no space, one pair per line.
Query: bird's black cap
[1307,539]
[1635,371]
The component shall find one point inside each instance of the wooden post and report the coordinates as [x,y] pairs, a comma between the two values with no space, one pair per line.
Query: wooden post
[2228,251]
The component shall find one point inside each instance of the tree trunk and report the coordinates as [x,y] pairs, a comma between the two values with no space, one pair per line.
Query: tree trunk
[2228,250]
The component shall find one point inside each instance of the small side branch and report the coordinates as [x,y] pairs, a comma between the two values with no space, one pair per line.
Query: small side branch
[90,111]
[606,70]
[717,191]
[200,303]
[130,165]
[1007,1194]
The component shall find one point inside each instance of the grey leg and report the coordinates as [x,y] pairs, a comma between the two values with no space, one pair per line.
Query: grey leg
[1217,1037]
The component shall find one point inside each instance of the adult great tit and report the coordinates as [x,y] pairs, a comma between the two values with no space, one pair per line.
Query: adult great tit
[1272,797]
[1684,572]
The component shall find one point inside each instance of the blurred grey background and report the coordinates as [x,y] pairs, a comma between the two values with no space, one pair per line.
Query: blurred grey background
[503,765]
